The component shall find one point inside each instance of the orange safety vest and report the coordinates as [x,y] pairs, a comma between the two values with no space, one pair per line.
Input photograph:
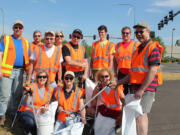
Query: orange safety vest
[140,68]
[43,62]
[69,105]
[123,55]
[36,100]
[9,55]
[111,98]
[101,55]
[32,46]
[76,55]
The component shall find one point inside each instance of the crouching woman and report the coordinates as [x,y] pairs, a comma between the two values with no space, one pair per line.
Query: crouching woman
[37,96]
[70,99]
[108,104]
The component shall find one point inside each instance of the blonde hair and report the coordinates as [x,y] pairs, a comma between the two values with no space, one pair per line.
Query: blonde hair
[40,72]
[97,78]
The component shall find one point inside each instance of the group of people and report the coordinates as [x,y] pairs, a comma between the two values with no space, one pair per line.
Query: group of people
[57,72]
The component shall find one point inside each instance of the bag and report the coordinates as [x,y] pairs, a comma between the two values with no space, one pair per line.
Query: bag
[89,86]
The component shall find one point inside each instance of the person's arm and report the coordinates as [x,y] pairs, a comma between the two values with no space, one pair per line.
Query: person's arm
[31,67]
[124,80]
[85,71]
[111,61]
[71,62]
[82,112]
[59,74]
[1,54]
[150,76]
[115,67]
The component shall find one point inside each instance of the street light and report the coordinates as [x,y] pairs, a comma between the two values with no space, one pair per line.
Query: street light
[172,41]
[134,8]
[2,20]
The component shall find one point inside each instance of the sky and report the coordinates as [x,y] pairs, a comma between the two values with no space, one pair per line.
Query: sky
[88,15]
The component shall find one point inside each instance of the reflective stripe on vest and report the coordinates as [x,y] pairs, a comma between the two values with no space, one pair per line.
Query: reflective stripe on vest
[125,57]
[47,69]
[75,98]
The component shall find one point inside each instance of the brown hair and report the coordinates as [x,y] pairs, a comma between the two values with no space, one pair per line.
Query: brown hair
[126,27]
[102,27]
[40,72]
[104,70]
[36,31]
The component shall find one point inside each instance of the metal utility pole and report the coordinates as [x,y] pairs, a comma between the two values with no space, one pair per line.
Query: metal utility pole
[172,41]
[2,20]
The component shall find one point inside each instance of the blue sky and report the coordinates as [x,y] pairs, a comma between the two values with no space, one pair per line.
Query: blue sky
[87,15]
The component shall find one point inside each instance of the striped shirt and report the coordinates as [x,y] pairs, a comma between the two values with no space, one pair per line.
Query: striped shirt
[153,59]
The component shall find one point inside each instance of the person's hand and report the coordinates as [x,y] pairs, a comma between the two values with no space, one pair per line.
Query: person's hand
[27,91]
[44,109]
[113,84]
[60,109]
[83,120]
[60,83]
[138,94]
[84,64]
[1,74]
[83,78]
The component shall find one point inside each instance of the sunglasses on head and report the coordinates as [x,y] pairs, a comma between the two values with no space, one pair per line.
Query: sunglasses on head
[18,27]
[42,76]
[141,32]
[75,36]
[125,33]
[68,78]
[49,38]
[104,76]
[60,36]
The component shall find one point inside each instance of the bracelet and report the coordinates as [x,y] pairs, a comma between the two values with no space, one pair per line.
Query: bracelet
[83,118]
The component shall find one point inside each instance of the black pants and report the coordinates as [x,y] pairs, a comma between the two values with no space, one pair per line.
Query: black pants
[125,86]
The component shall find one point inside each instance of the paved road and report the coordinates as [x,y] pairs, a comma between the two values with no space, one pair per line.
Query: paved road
[170,68]
[164,118]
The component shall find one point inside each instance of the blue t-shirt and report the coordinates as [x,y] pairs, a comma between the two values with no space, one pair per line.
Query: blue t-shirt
[19,61]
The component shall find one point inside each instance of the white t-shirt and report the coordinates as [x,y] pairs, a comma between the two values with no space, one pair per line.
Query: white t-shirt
[49,53]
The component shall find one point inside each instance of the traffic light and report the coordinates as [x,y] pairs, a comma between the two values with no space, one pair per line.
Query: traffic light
[166,20]
[159,26]
[162,23]
[152,34]
[171,15]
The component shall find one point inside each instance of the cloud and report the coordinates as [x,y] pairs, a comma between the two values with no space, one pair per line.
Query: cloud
[53,1]
[153,10]
[167,3]
[129,11]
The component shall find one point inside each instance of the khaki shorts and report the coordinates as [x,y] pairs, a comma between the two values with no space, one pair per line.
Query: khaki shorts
[147,100]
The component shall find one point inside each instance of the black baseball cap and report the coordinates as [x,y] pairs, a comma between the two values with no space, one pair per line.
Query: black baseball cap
[78,31]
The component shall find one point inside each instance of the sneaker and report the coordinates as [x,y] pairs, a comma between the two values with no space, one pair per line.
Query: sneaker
[118,130]
[2,120]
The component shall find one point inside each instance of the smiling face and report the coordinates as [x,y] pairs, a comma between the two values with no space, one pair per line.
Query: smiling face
[142,34]
[49,40]
[68,80]
[102,34]
[126,35]
[42,78]
[104,78]
[37,37]
[76,38]
[18,29]
[59,38]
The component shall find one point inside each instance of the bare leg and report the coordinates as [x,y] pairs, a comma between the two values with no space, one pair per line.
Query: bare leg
[142,124]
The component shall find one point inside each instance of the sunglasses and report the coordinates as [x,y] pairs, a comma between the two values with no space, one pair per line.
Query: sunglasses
[104,76]
[37,35]
[69,78]
[78,37]
[59,36]
[18,27]
[49,38]
[125,33]
[141,32]
[42,76]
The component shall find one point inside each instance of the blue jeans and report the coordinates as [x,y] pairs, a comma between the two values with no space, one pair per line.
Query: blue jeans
[11,87]
[28,122]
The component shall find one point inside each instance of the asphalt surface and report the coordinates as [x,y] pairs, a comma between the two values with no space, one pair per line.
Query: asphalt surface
[164,118]
[170,68]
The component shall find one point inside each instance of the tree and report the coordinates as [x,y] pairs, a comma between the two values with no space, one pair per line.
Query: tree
[177,42]
[161,43]
[87,48]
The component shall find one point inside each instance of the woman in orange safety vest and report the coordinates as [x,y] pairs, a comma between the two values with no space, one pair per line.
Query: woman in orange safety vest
[40,96]
[108,104]
[70,99]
